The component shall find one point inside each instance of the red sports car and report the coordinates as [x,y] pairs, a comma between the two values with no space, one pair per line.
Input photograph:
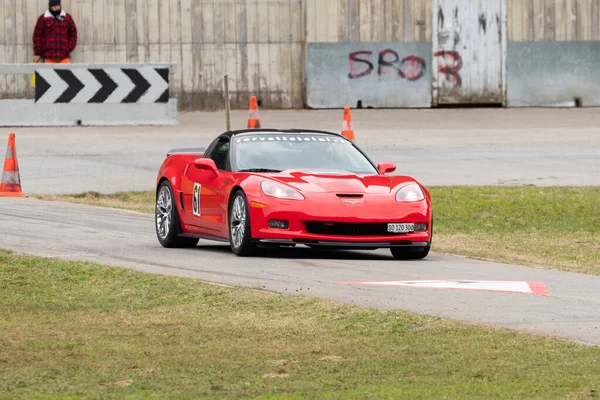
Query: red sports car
[267,187]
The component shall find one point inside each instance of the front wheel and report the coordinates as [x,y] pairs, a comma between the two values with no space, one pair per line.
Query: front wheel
[239,226]
[413,253]
[167,219]
[410,253]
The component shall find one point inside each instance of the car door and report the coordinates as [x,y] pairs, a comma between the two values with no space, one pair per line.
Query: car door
[207,193]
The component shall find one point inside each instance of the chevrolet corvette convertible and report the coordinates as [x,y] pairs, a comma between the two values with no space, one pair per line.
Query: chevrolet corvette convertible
[260,188]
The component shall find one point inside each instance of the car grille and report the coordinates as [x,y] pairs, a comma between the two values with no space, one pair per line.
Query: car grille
[348,229]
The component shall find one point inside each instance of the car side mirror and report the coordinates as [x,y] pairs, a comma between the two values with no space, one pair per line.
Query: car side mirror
[206,164]
[386,166]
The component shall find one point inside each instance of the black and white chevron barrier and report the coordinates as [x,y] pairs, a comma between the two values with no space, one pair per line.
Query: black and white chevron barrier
[92,94]
[102,85]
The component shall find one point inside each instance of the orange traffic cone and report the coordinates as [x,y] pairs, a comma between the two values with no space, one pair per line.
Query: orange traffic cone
[347,131]
[10,186]
[253,118]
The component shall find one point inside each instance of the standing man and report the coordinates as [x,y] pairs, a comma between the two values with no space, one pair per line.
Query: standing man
[54,36]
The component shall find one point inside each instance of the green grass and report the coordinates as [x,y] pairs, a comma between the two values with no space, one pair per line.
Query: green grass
[547,226]
[70,329]
[134,201]
[554,227]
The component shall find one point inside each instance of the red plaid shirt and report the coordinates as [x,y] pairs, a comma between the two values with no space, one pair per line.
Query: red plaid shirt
[53,38]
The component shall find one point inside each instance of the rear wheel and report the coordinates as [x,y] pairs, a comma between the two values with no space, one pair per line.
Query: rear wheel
[239,226]
[167,219]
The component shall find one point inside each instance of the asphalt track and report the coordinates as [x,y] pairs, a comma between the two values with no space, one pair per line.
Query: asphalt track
[127,239]
[543,147]
[437,147]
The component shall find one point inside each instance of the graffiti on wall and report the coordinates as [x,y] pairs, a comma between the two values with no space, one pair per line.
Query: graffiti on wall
[411,67]
[449,64]
[373,74]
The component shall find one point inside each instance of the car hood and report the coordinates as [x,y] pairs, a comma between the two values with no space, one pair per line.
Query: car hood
[337,181]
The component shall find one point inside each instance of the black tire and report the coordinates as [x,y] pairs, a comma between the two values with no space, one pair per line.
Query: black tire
[241,245]
[413,253]
[166,216]
[410,253]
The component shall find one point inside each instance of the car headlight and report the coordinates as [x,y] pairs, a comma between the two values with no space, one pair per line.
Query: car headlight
[409,193]
[280,191]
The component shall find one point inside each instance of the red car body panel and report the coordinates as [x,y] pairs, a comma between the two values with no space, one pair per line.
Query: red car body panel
[329,200]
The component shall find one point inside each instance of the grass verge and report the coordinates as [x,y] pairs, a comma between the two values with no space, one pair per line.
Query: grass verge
[546,226]
[554,227]
[79,329]
[134,201]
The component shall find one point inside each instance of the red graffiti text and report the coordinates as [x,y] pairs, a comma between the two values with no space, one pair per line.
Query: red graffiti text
[450,62]
[411,68]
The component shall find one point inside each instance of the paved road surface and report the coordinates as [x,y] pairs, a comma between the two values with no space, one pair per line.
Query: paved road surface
[127,239]
[438,147]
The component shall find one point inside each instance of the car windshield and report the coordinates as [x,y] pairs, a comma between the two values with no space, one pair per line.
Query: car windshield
[272,152]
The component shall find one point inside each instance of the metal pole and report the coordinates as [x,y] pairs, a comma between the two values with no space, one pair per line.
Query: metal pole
[227,107]
[304,50]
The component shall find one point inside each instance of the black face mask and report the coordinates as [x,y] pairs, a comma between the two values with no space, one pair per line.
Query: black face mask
[51,4]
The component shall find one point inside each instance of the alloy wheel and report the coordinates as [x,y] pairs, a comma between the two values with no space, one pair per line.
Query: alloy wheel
[238,221]
[164,205]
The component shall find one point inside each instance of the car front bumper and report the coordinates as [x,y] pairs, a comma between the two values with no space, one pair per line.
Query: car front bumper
[363,226]
[331,244]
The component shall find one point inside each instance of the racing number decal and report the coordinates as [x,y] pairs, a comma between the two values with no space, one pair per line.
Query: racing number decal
[196,199]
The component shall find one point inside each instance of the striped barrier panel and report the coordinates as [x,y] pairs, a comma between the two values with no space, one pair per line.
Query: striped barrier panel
[92,94]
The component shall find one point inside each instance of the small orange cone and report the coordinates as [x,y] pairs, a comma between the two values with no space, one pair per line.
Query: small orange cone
[10,186]
[347,131]
[253,117]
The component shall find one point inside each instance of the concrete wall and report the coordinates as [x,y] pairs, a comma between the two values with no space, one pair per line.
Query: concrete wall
[553,74]
[257,42]
[379,74]
[553,53]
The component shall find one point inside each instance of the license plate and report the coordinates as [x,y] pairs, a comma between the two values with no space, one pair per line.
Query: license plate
[401,228]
